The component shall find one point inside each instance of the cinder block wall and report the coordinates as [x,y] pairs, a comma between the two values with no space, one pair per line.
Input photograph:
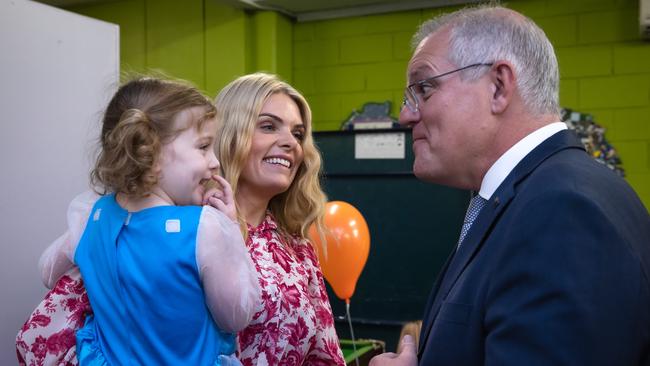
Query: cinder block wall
[342,63]
[202,41]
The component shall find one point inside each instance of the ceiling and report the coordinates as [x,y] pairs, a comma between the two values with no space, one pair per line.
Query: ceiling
[307,10]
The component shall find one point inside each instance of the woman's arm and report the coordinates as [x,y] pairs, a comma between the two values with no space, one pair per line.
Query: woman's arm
[58,258]
[229,277]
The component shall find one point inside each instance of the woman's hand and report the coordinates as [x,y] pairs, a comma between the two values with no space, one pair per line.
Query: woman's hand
[221,198]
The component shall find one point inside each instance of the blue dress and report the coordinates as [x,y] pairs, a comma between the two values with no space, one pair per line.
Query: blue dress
[145,290]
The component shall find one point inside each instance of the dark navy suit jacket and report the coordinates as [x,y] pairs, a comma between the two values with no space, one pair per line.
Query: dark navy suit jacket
[555,270]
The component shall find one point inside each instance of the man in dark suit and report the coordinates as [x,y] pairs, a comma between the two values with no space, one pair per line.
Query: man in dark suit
[555,267]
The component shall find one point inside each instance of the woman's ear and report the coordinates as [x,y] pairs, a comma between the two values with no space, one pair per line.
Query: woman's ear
[504,84]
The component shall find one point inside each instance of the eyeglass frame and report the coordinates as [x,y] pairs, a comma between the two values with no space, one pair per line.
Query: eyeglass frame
[414,95]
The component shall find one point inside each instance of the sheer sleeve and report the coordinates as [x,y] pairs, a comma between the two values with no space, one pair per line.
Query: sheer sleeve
[228,274]
[58,258]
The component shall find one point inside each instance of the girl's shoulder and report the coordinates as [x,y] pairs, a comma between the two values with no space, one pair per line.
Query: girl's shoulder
[211,213]
[212,219]
[79,210]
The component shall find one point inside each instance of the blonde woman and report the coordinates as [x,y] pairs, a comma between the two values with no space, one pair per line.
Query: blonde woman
[268,156]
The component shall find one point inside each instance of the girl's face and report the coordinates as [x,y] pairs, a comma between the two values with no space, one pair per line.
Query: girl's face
[188,161]
[276,148]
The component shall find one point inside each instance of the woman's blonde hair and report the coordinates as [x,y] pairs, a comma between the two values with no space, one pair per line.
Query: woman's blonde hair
[238,108]
[139,119]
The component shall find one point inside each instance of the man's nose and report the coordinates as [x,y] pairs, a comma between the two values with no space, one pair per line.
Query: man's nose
[407,117]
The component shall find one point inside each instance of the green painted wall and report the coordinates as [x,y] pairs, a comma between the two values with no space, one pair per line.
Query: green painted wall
[272,43]
[202,41]
[341,64]
[605,68]
[175,38]
[605,71]
[227,45]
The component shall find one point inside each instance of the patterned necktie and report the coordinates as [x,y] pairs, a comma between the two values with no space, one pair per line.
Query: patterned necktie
[475,206]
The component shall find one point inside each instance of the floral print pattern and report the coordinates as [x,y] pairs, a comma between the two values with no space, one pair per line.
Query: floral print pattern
[294,324]
[48,336]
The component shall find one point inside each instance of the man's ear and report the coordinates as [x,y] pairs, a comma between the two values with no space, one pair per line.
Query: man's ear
[504,84]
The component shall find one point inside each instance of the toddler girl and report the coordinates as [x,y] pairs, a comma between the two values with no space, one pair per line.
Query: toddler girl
[162,258]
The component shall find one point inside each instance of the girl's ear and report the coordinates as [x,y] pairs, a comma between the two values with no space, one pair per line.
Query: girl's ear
[504,84]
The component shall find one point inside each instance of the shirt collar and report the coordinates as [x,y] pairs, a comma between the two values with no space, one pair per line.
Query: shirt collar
[507,162]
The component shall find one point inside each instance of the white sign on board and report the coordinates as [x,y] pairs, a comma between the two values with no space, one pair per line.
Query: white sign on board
[385,145]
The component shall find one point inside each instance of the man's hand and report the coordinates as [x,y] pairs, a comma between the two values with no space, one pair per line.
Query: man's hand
[406,357]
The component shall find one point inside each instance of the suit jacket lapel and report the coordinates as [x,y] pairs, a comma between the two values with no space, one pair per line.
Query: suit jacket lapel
[428,319]
[457,264]
[487,218]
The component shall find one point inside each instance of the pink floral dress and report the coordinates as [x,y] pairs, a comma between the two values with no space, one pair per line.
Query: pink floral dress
[48,336]
[294,324]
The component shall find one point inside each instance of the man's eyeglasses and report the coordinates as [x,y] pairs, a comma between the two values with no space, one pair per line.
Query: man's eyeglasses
[417,90]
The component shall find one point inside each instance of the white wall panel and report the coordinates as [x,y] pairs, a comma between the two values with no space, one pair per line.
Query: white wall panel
[57,72]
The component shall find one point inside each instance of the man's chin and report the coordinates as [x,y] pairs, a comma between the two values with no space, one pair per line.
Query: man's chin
[423,171]
[430,176]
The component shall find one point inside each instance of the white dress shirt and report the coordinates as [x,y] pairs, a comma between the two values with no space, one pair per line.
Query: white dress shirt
[507,162]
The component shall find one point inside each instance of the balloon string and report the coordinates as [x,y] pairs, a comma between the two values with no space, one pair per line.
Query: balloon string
[354,341]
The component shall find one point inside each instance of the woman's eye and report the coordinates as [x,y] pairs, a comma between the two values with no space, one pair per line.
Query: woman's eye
[299,135]
[267,127]
[204,146]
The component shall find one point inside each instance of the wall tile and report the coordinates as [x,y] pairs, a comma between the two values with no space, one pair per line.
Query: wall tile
[386,76]
[325,107]
[634,155]
[303,80]
[225,45]
[370,24]
[632,124]
[569,93]
[402,45]
[369,48]
[175,39]
[632,58]
[339,79]
[585,61]
[559,7]
[639,182]
[610,26]
[619,91]
[560,30]
[303,31]
[532,9]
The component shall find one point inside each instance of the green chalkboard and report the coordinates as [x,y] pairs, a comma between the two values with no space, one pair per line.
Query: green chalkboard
[413,227]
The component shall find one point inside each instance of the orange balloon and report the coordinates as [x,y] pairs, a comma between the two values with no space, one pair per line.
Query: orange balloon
[347,247]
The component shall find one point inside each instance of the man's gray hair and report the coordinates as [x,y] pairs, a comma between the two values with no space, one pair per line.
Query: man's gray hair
[489,33]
